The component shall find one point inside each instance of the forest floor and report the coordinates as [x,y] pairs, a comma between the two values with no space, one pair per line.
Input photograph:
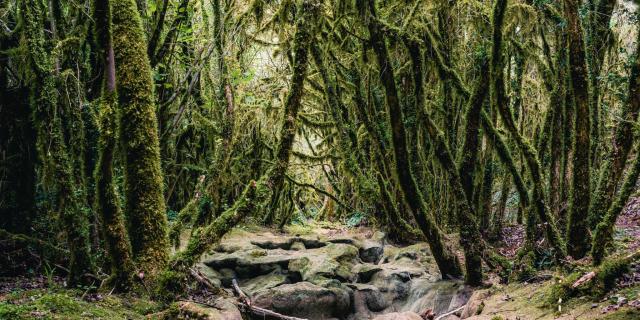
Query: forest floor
[330,271]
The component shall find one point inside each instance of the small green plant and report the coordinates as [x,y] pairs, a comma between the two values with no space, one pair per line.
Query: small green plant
[355,219]
[49,273]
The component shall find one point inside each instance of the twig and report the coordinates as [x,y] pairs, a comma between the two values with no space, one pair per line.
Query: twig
[243,297]
[450,312]
[203,280]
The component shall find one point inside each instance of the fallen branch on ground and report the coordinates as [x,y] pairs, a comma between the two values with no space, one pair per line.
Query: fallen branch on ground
[587,277]
[450,312]
[196,274]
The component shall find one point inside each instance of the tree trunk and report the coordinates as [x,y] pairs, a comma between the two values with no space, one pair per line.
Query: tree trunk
[498,99]
[578,227]
[145,204]
[256,196]
[445,259]
[107,201]
[51,146]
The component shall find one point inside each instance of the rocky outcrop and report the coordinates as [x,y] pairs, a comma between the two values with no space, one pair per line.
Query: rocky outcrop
[339,277]
[223,309]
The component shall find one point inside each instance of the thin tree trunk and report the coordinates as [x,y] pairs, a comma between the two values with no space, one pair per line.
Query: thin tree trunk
[578,228]
[612,167]
[498,99]
[445,259]
[257,194]
[51,145]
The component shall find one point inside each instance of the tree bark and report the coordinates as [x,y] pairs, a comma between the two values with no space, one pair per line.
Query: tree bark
[51,145]
[577,227]
[107,202]
[145,204]
[447,262]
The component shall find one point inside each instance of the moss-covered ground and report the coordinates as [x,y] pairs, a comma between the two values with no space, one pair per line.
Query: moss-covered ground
[58,303]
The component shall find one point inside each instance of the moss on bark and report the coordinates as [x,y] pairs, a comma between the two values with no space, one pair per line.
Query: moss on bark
[603,235]
[447,262]
[302,39]
[145,205]
[612,168]
[578,240]
[107,201]
[499,101]
[51,145]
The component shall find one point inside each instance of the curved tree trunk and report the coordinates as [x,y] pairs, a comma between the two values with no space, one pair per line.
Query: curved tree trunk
[445,259]
[499,101]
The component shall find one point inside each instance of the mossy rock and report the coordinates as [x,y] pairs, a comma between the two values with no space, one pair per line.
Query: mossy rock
[623,314]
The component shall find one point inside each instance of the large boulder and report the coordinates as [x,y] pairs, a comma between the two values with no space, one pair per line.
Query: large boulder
[365,271]
[368,298]
[264,282]
[288,243]
[251,263]
[222,309]
[371,251]
[333,261]
[306,300]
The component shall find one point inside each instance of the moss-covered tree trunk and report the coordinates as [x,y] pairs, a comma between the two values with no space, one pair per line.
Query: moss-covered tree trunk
[468,158]
[470,239]
[107,201]
[556,106]
[499,101]
[445,259]
[613,166]
[578,227]
[51,146]
[598,41]
[145,205]
[603,235]
[302,39]
[256,196]
[495,233]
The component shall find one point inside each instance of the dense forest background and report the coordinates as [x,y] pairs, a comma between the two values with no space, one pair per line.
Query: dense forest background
[126,125]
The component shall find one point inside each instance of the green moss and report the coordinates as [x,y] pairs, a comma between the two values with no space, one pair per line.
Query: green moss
[603,282]
[623,314]
[145,205]
[562,289]
[170,284]
[66,304]
[526,267]
[610,271]
[53,151]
